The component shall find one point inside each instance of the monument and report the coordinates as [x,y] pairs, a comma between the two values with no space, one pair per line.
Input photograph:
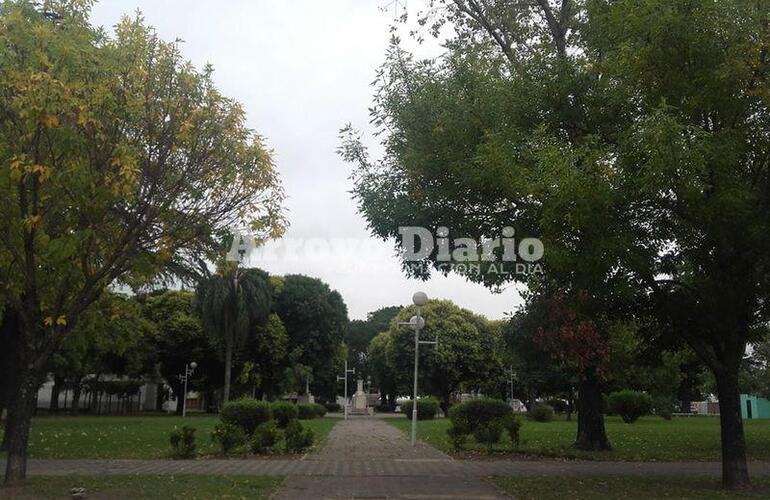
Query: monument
[360,400]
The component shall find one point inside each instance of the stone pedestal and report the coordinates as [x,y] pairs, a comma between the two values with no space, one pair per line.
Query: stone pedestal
[360,400]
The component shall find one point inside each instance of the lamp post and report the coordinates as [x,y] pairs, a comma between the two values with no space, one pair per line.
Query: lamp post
[416,323]
[188,370]
[345,378]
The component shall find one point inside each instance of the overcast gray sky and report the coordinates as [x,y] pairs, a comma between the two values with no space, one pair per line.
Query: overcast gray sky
[302,69]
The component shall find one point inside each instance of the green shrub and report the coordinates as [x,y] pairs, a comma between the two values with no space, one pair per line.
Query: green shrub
[297,438]
[265,437]
[512,425]
[541,412]
[630,405]
[457,437]
[306,411]
[472,415]
[228,436]
[489,433]
[320,410]
[246,413]
[426,409]
[559,405]
[333,407]
[664,407]
[284,412]
[484,418]
[183,442]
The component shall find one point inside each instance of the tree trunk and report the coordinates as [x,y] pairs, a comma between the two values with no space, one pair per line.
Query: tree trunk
[17,429]
[228,369]
[735,472]
[76,397]
[591,435]
[445,403]
[158,397]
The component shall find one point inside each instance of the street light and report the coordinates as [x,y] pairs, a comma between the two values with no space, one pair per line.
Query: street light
[188,370]
[345,378]
[416,323]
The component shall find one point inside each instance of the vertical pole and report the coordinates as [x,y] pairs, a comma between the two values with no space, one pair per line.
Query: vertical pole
[346,389]
[416,358]
[184,394]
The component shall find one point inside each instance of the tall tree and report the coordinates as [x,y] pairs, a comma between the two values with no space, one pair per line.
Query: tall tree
[112,336]
[118,161]
[380,365]
[266,357]
[629,135]
[179,338]
[316,320]
[692,147]
[361,332]
[232,303]
[466,354]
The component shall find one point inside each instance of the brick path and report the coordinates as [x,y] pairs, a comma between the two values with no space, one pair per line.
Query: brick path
[372,459]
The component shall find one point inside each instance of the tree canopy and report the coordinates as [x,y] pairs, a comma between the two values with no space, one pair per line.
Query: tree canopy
[630,136]
[316,321]
[119,162]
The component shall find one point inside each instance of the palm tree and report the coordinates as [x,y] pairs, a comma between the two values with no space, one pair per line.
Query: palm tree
[232,302]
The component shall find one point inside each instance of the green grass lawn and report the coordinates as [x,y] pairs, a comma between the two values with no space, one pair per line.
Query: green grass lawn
[627,488]
[187,487]
[128,437]
[650,438]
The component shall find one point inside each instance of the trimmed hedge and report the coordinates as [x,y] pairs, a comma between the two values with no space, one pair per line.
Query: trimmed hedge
[298,438]
[541,412]
[246,413]
[265,437]
[320,410]
[427,408]
[284,412]
[476,413]
[306,411]
[485,419]
[630,405]
[333,407]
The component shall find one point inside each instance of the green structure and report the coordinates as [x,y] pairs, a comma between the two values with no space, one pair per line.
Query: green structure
[754,407]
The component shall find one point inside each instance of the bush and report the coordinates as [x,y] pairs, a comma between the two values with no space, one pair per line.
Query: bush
[489,433]
[664,407]
[484,418]
[228,436]
[474,414]
[284,412]
[333,407]
[541,412]
[630,405]
[320,410]
[297,438]
[559,405]
[246,413]
[306,411]
[426,409]
[512,425]
[183,442]
[265,437]
[457,437]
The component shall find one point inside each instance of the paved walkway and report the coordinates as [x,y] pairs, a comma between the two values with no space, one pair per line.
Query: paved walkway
[372,459]
[368,458]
